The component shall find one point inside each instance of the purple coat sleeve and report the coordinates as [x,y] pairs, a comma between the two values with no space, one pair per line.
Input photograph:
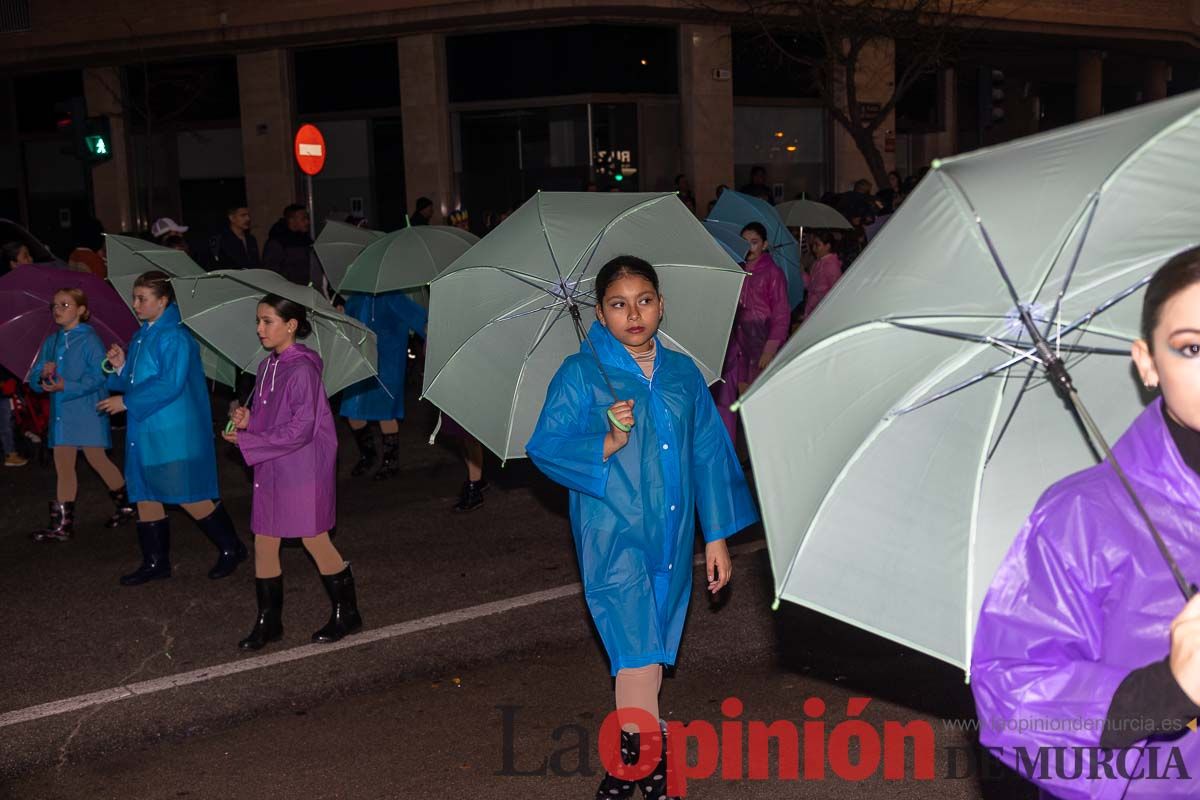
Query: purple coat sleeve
[1038,670]
[291,427]
[781,311]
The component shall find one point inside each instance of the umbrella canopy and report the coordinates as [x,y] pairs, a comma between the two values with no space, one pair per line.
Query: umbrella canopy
[737,209]
[500,322]
[938,434]
[338,245]
[26,320]
[807,214]
[405,259]
[221,307]
[729,236]
[129,257]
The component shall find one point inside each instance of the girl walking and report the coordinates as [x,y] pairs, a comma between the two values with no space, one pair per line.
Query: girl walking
[68,368]
[824,272]
[169,456]
[638,470]
[760,326]
[287,435]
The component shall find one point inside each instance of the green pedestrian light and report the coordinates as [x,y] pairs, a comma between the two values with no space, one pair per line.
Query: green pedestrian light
[618,177]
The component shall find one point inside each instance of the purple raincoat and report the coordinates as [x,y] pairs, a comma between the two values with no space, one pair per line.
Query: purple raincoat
[1082,599]
[292,445]
[824,274]
[763,315]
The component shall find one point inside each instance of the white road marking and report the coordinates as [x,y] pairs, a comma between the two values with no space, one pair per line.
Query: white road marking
[142,688]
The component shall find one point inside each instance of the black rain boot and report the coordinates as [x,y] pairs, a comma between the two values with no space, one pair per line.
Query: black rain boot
[125,510]
[344,618]
[612,787]
[155,541]
[62,524]
[654,785]
[391,457]
[218,527]
[269,625]
[472,495]
[365,439]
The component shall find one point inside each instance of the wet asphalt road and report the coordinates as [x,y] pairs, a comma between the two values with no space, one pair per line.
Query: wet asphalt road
[442,709]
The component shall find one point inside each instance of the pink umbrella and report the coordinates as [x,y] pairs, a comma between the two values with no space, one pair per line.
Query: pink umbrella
[25,318]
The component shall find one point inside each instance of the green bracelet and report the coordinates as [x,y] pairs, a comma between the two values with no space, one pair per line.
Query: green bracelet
[229,426]
[106,367]
[621,426]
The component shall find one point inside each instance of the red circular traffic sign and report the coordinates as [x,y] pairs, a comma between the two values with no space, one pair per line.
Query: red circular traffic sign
[310,149]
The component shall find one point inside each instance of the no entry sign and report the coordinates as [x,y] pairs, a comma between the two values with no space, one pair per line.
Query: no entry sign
[310,149]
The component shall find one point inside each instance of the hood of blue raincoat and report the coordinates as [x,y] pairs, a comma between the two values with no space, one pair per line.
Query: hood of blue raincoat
[612,353]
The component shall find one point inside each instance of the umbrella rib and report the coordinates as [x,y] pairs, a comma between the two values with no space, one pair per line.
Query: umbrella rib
[544,331]
[1011,414]
[961,193]
[1093,204]
[549,246]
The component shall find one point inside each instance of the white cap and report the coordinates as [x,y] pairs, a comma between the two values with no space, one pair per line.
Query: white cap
[166,225]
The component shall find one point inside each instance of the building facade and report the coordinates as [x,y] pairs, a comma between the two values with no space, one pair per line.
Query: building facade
[479,103]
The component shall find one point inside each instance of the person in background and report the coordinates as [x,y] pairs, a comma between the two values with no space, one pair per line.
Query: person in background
[88,255]
[235,246]
[68,369]
[684,189]
[164,227]
[889,199]
[8,445]
[757,187]
[423,213]
[289,248]
[823,273]
[176,242]
[13,255]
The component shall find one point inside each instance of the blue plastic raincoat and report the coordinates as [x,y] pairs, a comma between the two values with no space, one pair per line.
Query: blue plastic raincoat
[391,316]
[633,516]
[76,355]
[169,455]
[1082,599]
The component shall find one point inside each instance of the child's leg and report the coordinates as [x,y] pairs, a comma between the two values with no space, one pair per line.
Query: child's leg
[150,511]
[64,468]
[638,687]
[357,424]
[7,445]
[199,510]
[329,560]
[389,426]
[104,467]
[473,455]
[266,557]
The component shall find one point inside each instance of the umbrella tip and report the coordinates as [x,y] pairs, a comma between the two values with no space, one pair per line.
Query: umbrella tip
[736,406]
[936,164]
[775,605]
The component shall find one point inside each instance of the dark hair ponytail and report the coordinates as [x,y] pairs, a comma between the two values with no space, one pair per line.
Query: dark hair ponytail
[158,282]
[620,267]
[1181,272]
[289,311]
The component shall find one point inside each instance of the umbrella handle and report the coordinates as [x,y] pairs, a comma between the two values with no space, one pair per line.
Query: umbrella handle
[229,426]
[106,367]
[621,426]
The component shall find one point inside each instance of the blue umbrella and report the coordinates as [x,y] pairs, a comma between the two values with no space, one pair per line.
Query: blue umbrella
[729,236]
[738,209]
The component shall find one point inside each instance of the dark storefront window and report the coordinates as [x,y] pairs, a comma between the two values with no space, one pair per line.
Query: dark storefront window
[562,61]
[761,69]
[182,92]
[350,78]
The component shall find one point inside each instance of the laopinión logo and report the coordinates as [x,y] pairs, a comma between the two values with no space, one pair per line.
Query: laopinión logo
[851,750]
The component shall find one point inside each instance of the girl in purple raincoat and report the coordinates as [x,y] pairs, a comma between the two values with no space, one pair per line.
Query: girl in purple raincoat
[824,273]
[287,435]
[1086,662]
[760,325]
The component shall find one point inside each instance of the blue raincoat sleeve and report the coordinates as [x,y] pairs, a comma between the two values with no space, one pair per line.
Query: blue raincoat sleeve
[561,446]
[45,356]
[166,385]
[723,499]
[91,352]
[1039,672]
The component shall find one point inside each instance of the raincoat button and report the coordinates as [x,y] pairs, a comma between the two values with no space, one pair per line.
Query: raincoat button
[666,447]
[671,566]
[256,486]
[672,508]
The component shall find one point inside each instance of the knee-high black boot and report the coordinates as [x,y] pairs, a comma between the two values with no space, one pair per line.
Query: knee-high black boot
[218,527]
[343,618]
[364,437]
[125,510]
[269,625]
[613,788]
[391,457]
[655,785]
[155,541]
[62,523]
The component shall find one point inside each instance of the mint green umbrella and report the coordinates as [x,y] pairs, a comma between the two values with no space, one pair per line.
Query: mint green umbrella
[338,245]
[902,435]
[221,307]
[405,259]
[500,317]
[129,257]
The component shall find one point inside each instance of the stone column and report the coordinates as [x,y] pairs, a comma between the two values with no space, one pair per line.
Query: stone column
[706,109]
[1154,80]
[1089,84]
[112,194]
[874,82]
[268,127]
[425,114]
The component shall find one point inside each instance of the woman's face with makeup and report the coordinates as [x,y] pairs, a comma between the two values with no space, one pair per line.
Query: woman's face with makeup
[1172,360]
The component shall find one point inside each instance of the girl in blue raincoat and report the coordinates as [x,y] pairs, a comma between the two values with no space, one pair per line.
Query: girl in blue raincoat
[391,315]
[639,469]
[68,368]
[169,456]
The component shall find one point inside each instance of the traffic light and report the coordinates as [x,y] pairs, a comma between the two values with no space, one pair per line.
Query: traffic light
[991,96]
[91,136]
